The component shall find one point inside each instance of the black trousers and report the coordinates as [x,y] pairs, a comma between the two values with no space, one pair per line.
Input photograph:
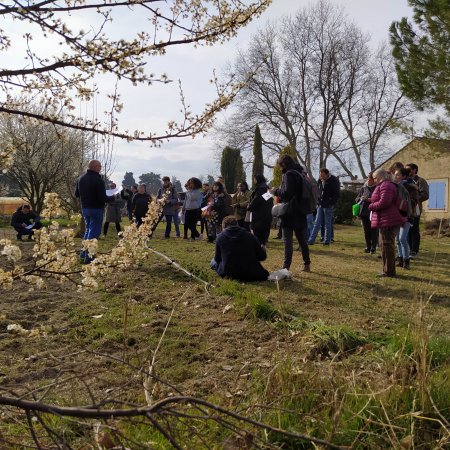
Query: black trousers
[261,233]
[106,226]
[414,235]
[191,217]
[289,245]
[370,234]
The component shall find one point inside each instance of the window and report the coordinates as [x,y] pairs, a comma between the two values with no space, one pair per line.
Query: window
[438,190]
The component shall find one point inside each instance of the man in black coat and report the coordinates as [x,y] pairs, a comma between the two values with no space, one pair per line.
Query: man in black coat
[238,253]
[92,194]
[25,221]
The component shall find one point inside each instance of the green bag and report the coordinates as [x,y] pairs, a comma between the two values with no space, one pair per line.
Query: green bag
[355,209]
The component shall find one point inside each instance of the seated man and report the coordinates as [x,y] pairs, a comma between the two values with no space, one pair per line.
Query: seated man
[25,221]
[238,253]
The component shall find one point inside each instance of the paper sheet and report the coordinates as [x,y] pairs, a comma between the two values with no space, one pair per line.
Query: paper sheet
[267,196]
[111,192]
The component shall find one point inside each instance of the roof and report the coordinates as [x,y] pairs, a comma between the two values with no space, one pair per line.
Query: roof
[438,145]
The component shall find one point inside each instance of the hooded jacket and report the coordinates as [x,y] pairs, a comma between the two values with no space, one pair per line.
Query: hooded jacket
[238,255]
[385,212]
[20,218]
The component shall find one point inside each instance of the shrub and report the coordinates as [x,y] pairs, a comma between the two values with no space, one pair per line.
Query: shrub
[343,210]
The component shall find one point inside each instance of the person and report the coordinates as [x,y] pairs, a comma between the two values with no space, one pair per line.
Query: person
[170,207]
[228,199]
[192,208]
[386,217]
[290,192]
[424,194]
[113,212]
[329,190]
[238,253]
[139,204]
[25,221]
[92,194]
[205,195]
[260,209]
[215,212]
[402,178]
[127,195]
[241,200]
[363,198]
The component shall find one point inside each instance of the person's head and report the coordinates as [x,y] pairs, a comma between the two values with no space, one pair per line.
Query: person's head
[220,179]
[194,183]
[286,162]
[134,188]
[243,186]
[26,208]
[95,165]
[324,173]
[381,175]
[413,169]
[205,187]
[401,174]
[112,185]
[141,189]
[259,178]
[165,181]
[218,187]
[370,180]
[396,166]
[229,221]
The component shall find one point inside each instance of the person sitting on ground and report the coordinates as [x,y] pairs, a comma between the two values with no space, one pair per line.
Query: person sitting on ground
[238,253]
[25,221]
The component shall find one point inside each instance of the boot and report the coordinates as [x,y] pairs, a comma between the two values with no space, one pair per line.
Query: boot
[306,268]
[399,262]
[406,264]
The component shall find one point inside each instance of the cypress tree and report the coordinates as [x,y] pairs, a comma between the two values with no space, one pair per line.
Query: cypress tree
[239,172]
[228,166]
[258,164]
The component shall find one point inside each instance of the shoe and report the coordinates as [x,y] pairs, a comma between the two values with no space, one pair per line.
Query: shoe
[306,268]
[19,237]
[332,240]
[367,250]
[385,275]
[406,264]
[310,243]
[277,237]
[166,237]
[372,251]
[413,255]
[30,237]
[399,262]
[200,238]
[325,243]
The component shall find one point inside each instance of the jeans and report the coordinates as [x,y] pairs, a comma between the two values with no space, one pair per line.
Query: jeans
[325,216]
[289,246]
[93,218]
[309,224]
[176,222]
[402,241]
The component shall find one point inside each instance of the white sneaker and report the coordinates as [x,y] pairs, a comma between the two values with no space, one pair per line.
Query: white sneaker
[200,238]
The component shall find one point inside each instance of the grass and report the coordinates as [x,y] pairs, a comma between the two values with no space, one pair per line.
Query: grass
[337,353]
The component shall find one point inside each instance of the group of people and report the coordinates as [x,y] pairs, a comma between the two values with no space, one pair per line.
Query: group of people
[390,209]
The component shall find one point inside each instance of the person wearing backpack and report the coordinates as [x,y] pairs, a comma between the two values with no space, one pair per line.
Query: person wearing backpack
[424,194]
[291,191]
[403,180]
[386,217]
[329,190]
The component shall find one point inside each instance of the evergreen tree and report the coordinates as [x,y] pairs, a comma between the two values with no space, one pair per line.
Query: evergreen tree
[228,165]
[422,53]
[128,179]
[239,172]
[176,183]
[152,181]
[258,164]
[288,150]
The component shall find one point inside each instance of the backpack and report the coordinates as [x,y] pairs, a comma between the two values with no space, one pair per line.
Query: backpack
[310,194]
[403,201]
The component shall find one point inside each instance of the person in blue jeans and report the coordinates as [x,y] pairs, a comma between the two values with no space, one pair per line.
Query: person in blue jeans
[92,194]
[329,190]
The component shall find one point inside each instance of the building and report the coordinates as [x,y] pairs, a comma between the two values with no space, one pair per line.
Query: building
[9,205]
[433,158]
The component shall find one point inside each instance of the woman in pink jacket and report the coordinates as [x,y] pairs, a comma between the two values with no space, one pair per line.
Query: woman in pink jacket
[386,216]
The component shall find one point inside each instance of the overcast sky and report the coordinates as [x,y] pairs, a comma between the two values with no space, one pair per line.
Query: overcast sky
[188,157]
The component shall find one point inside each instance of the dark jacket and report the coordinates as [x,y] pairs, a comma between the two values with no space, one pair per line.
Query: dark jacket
[329,191]
[238,255]
[127,195]
[172,200]
[365,191]
[91,190]
[139,204]
[261,209]
[291,191]
[217,204]
[20,218]
[114,210]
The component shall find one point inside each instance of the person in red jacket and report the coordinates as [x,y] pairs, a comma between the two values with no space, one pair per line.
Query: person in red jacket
[386,216]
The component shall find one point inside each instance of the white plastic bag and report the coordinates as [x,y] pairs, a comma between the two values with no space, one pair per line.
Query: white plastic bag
[282,274]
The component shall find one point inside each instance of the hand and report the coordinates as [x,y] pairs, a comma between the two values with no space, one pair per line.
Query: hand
[272,191]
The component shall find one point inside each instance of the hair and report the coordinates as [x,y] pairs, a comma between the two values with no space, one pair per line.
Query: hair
[244,183]
[220,186]
[26,206]
[404,171]
[324,170]
[197,184]
[165,178]
[413,167]
[286,161]
[229,221]
[135,186]
[383,174]
[260,178]
[396,166]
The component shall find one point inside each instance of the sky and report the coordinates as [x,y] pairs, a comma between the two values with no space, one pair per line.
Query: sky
[150,108]
[188,157]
